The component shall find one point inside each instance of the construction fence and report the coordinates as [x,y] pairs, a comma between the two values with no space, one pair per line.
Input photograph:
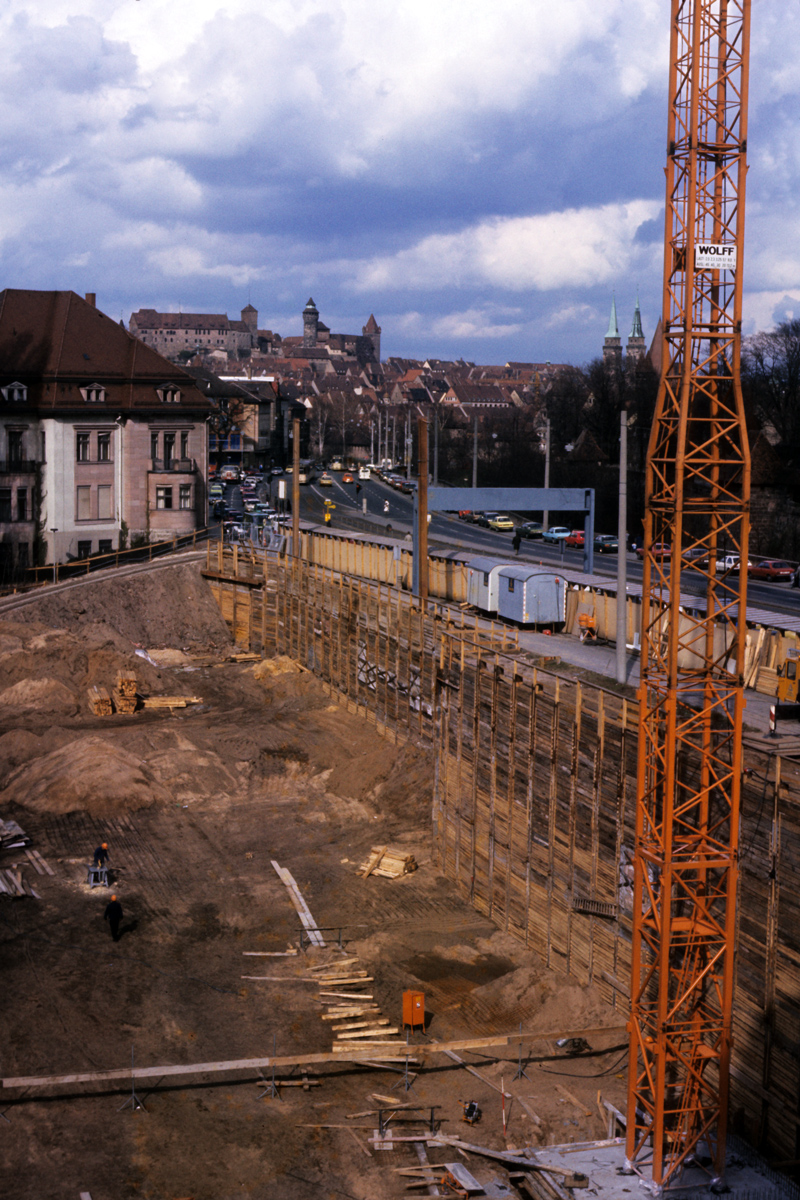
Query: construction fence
[534,803]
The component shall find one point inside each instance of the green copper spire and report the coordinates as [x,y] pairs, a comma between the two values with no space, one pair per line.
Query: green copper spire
[613,327]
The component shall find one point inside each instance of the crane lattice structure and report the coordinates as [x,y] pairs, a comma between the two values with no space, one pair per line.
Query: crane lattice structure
[691,697]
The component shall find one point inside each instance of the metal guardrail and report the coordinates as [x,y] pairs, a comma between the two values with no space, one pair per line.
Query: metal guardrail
[58,572]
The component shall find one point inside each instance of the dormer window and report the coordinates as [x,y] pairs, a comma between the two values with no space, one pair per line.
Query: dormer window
[94,393]
[15,393]
[168,393]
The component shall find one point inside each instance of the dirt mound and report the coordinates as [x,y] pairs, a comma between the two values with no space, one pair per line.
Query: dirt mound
[41,695]
[90,775]
[268,668]
[165,606]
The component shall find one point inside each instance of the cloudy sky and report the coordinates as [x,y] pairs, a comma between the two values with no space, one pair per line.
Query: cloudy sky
[480,176]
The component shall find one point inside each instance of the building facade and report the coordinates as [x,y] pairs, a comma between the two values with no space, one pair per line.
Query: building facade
[196,333]
[104,441]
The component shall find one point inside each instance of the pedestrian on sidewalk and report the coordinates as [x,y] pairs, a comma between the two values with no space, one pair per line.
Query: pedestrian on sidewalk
[113,915]
[516,541]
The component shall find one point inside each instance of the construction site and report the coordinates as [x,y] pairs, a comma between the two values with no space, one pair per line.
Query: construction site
[318,881]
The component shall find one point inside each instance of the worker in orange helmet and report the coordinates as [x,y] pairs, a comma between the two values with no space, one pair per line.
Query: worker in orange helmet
[101,855]
[113,915]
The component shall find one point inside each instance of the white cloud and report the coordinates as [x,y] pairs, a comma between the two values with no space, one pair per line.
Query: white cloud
[471,323]
[579,247]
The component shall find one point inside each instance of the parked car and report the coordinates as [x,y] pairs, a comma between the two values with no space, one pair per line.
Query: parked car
[575,540]
[697,555]
[347,478]
[730,562]
[606,543]
[325,480]
[483,518]
[556,534]
[772,569]
[657,550]
[502,523]
[530,529]
[465,514]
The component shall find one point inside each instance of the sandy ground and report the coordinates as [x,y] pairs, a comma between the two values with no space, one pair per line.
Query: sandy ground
[194,806]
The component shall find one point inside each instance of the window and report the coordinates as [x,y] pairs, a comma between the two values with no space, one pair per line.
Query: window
[184,444]
[94,393]
[17,393]
[104,447]
[82,447]
[186,495]
[169,449]
[163,497]
[154,445]
[16,452]
[169,394]
[485,578]
[104,546]
[22,555]
[5,504]
[84,549]
[511,585]
[104,502]
[83,506]
[22,504]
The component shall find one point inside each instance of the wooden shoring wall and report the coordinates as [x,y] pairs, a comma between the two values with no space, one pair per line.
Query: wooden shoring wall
[534,802]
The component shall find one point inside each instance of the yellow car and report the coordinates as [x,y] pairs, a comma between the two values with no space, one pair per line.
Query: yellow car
[503,524]
[325,480]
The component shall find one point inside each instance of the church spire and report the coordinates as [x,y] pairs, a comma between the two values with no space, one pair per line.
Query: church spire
[613,326]
[636,348]
[636,328]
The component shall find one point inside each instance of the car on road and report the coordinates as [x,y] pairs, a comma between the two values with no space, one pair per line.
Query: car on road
[772,569]
[337,465]
[501,522]
[216,489]
[576,539]
[483,518]
[465,514]
[325,480]
[697,555]
[606,543]
[347,478]
[363,472]
[657,550]
[276,471]
[530,529]
[556,534]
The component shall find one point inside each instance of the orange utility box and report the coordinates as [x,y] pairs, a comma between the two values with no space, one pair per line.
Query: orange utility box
[414,1009]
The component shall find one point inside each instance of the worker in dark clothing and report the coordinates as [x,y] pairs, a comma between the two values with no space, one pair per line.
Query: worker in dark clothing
[516,541]
[101,855]
[113,915]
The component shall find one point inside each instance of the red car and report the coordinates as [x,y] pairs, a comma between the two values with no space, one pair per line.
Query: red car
[347,478]
[575,539]
[771,568]
[657,550]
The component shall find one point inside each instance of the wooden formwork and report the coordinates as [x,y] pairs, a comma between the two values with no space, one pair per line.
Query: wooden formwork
[533,810]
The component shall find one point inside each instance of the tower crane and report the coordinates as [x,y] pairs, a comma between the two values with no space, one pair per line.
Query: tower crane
[691,696]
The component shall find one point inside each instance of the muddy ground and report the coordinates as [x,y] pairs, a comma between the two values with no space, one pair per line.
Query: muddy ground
[194,806]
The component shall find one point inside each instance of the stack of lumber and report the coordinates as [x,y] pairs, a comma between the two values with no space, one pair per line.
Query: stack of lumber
[12,884]
[388,862]
[12,836]
[170,701]
[100,702]
[767,681]
[356,1021]
[125,698]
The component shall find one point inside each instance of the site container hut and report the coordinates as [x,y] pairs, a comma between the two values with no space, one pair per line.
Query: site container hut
[482,582]
[531,596]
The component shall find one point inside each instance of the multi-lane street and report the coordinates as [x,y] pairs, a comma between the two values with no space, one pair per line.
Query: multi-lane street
[460,535]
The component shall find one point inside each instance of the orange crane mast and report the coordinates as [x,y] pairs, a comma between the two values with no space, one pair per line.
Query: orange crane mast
[691,697]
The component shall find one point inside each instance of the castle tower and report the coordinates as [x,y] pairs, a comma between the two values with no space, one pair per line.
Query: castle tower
[250,319]
[612,346]
[635,349]
[372,330]
[310,319]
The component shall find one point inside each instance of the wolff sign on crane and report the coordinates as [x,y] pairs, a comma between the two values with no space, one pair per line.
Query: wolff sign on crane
[691,696]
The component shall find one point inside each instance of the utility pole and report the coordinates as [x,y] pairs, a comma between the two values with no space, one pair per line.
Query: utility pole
[296,487]
[436,446]
[546,513]
[475,451]
[622,547]
[422,508]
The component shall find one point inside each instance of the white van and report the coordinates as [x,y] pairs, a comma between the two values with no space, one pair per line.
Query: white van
[363,472]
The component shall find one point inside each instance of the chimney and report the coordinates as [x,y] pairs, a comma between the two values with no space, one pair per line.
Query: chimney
[91,298]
